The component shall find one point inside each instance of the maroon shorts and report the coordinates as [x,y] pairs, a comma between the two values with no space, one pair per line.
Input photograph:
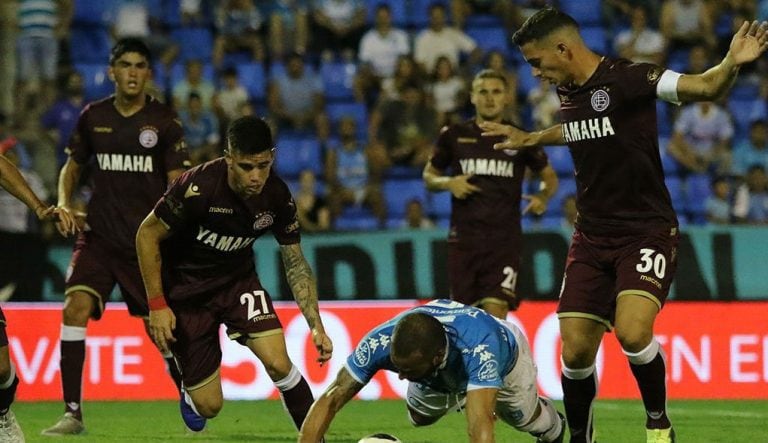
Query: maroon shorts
[95,269]
[599,269]
[243,306]
[479,271]
[3,333]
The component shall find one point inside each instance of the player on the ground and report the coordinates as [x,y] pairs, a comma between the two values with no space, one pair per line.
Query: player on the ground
[12,181]
[455,357]
[138,148]
[485,238]
[623,253]
[205,275]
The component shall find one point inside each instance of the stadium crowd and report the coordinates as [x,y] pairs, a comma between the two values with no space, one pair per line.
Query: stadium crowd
[357,91]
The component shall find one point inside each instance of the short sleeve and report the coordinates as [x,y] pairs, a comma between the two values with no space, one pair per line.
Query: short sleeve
[482,364]
[172,208]
[371,354]
[443,150]
[536,158]
[639,80]
[286,226]
[176,155]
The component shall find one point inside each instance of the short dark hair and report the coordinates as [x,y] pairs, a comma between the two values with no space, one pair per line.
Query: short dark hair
[491,73]
[249,135]
[541,24]
[417,332]
[129,44]
[384,6]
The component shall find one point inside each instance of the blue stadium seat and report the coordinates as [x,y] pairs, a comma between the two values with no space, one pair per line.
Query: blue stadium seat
[490,38]
[399,171]
[560,159]
[595,38]
[664,118]
[96,82]
[585,12]
[253,78]
[697,191]
[397,8]
[194,43]
[525,79]
[338,79]
[356,218]
[677,60]
[566,187]
[744,90]
[337,110]
[92,12]
[178,71]
[89,44]
[171,13]
[483,20]
[295,154]
[439,204]
[676,192]
[397,193]
[419,12]
[670,165]
[745,111]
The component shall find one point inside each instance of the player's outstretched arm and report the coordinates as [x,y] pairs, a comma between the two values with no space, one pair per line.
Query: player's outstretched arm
[480,417]
[515,138]
[304,289]
[749,43]
[162,321]
[324,409]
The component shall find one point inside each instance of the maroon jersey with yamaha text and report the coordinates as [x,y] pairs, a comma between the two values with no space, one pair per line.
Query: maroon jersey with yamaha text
[213,229]
[132,156]
[494,212]
[609,124]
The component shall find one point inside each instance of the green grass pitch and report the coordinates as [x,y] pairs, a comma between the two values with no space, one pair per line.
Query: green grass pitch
[266,422]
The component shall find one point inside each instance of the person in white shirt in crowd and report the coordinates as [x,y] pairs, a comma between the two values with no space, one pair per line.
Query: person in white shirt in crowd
[439,39]
[640,43]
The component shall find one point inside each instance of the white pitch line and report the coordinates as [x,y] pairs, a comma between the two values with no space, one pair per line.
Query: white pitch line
[693,411]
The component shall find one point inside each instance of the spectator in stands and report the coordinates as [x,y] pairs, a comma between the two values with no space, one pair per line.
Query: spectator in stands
[338,26]
[41,24]
[296,98]
[288,27]
[497,61]
[701,140]
[193,82]
[240,26]
[699,59]
[59,120]
[194,12]
[640,43]
[229,100]
[617,14]
[7,54]
[378,56]
[569,212]
[753,151]
[201,131]
[443,40]
[415,217]
[751,202]
[718,204]
[506,10]
[401,131]
[407,71]
[347,174]
[545,105]
[448,92]
[134,18]
[685,23]
[311,208]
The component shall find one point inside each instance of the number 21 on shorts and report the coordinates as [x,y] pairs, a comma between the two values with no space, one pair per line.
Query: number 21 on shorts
[256,302]
[652,260]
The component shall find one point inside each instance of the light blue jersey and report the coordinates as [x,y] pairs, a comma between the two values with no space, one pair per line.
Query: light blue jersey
[481,349]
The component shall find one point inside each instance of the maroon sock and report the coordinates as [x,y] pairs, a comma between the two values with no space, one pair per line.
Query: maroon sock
[71,364]
[653,388]
[577,399]
[298,400]
[7,394]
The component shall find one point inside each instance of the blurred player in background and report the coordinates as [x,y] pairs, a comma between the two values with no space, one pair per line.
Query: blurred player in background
[205,275]
[138,148]
[623,252]
[485,238]
[12,181]
[456,357]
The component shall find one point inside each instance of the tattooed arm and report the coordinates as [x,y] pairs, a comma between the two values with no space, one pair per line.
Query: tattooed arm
[325,408]
[304,288]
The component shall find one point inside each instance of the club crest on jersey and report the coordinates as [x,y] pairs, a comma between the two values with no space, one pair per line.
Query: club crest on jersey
[148,137]
[263,221]
[600,100]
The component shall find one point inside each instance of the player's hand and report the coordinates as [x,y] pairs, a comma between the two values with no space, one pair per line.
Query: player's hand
[513,138]
[536,204]
[66,221]
[323,344]
[461,188]
[749,42]
[162,322]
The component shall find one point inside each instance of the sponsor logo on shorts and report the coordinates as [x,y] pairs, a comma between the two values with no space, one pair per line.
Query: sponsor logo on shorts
[489,371]
[148,137]
[651,280]
[362,355]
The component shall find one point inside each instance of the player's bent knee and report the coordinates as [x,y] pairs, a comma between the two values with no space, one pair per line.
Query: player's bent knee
[209,408]
[634,341]
[77,309]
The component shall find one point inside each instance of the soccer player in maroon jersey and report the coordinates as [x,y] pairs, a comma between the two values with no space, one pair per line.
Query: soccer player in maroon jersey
[203,275]
[138,148]
[623,253]
[12,181]
[485,236]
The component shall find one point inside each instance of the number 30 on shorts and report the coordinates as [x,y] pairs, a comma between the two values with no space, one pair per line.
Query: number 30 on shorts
[257,303]
[651,259]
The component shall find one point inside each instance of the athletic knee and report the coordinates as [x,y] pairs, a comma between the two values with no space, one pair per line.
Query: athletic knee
[77,309]
[209,407]
[578,357]
[278,368]
[634,340]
